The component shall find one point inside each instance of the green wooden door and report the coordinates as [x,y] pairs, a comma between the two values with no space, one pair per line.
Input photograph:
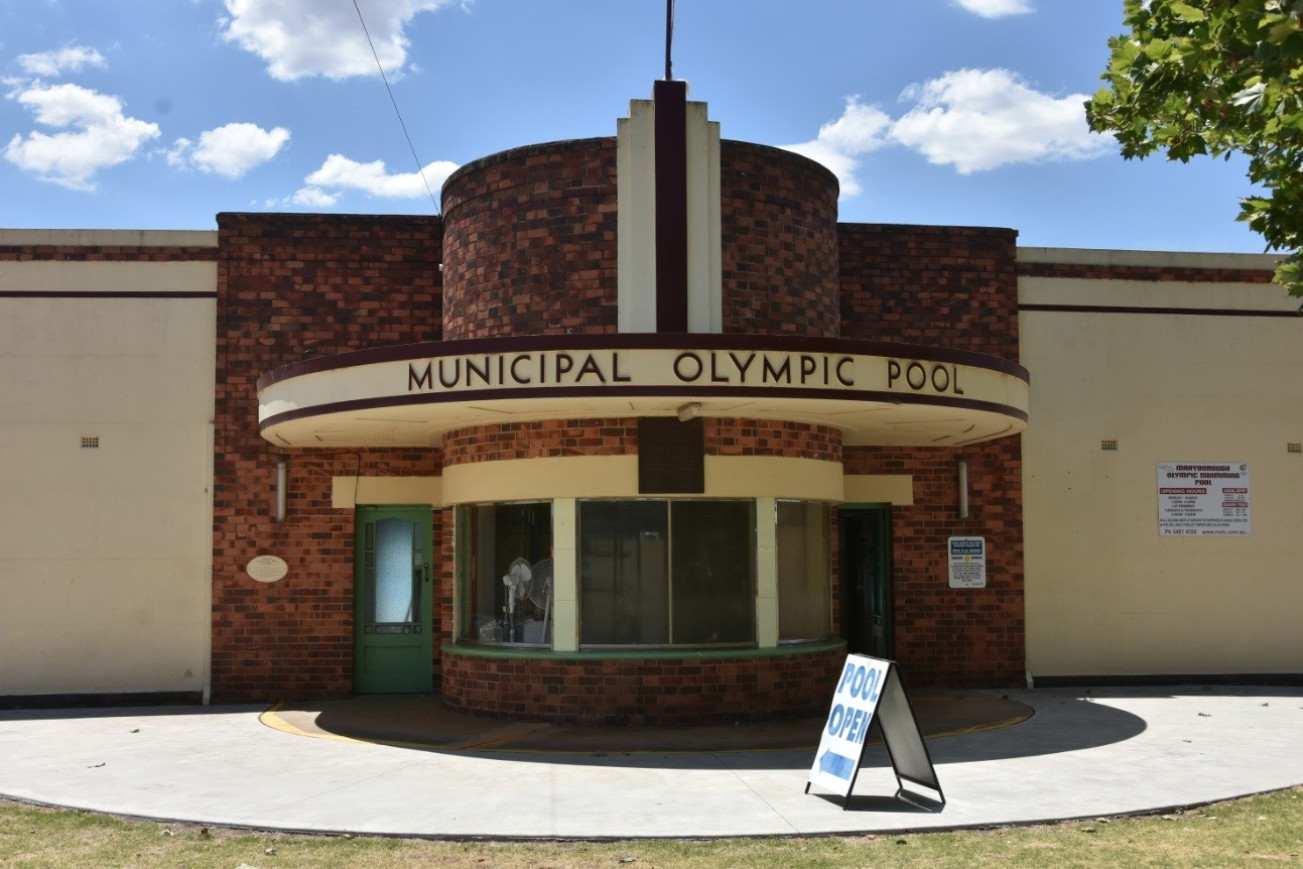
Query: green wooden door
[393,649]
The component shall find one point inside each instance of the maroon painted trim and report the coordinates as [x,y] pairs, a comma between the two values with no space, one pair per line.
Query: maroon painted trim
[639,341]
[436,398]
[106,253]
[1156,274]
[671,206]
[126,294]
[1189,312]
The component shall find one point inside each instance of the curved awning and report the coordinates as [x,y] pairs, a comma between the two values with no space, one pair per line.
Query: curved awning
[876,393]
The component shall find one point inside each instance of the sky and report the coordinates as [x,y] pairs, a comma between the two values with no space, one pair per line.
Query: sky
[159,114]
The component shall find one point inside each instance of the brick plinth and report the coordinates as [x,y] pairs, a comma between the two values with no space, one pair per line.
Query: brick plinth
[656,690]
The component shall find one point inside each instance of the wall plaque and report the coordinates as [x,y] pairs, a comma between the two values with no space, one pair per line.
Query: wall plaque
[267,568]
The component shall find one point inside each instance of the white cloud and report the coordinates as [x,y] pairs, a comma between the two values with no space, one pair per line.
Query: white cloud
[178,156]
[230,150]
[96,135]
[859,130]
[970,119]
[313,197]
[980,119]
[996,8]
[52,63]
[341,173]
[300,38]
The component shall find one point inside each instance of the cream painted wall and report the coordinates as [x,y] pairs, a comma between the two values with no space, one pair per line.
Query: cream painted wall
[1105,593]
[105,554]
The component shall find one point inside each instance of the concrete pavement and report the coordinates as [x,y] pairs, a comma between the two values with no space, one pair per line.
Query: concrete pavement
[1081,754]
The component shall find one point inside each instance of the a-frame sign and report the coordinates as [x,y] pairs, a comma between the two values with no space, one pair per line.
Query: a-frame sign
[869,687]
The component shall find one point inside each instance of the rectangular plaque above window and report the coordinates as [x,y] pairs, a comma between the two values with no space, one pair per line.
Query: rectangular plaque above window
[671,456]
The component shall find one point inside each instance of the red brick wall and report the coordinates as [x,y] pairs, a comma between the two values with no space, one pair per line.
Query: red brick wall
[956,288]
[614,437]
[943,286]
[530,244]
[532,440]
[750,437]
[956,637]
[289,285]
[696,690]
[778,216]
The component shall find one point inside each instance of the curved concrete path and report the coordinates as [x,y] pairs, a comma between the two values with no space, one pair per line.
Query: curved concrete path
[1082,754]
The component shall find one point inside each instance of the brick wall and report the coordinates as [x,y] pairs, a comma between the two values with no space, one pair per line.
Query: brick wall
[956,637]
[531,245]
[651,691]
[723,436]
[952,287]
[943,286]
[290,285]
[548,438]
[778,226]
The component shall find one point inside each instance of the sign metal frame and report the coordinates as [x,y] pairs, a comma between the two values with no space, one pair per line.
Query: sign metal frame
[870,691]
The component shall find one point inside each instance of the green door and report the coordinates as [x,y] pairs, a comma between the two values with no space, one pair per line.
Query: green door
[866,588]
[393,650]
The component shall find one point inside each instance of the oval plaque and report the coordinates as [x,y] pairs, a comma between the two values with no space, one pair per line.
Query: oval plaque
[267,568]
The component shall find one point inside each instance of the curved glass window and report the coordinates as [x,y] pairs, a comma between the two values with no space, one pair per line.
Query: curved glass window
[666,573]
[504,558]
[804,582]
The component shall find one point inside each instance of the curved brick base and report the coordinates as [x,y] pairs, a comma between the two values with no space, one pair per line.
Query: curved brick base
[693,689]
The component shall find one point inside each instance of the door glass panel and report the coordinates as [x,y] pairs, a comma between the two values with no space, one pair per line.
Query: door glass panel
[396,590]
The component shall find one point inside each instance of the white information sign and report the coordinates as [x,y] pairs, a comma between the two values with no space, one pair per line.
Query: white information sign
[967,562]
[842,744]
[1203,499]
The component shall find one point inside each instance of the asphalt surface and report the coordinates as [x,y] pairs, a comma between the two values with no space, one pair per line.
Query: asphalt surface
[406,767]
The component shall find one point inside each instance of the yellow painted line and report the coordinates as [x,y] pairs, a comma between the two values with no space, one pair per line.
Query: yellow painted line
[272,719]
[497,740]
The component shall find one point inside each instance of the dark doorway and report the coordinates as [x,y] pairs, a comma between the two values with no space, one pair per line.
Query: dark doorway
[864,538]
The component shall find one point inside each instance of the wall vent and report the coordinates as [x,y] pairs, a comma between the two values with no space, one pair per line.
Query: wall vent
[1109,446]
[90,442]
[1294,448]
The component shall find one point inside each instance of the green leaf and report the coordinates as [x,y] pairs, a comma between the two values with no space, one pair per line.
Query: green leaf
[1188,13]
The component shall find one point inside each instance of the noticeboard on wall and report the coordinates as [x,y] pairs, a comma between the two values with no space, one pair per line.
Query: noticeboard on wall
[1203,499]
[967,562]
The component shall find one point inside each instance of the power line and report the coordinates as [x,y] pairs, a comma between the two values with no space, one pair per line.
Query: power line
[669,40]
[420,170]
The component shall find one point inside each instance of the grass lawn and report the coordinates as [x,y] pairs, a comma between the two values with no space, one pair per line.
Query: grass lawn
[1258,831]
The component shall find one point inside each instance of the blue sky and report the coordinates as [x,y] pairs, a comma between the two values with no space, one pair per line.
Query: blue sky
[158,114]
